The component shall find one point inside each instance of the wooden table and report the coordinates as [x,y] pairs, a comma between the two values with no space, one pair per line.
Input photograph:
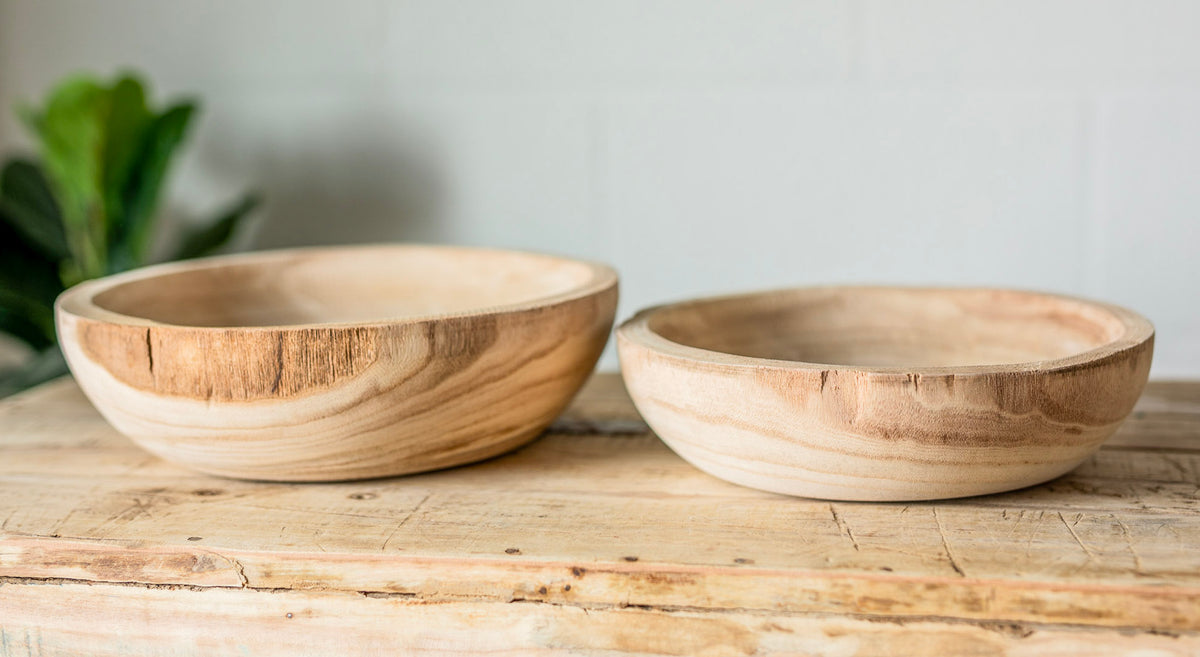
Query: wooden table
[595,539]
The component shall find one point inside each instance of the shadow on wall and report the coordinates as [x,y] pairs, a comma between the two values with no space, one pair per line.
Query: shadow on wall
[331,175]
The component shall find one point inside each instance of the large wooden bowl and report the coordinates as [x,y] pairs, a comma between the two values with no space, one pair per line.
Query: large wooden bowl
[338,363]
[869,393]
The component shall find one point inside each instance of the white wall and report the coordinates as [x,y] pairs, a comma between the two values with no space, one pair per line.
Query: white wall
[700,146]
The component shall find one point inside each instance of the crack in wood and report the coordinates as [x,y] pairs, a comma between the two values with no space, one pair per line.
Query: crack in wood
[240,570]
[149,354]
[1091,557]
[937,519]
[404,520]
[843,526]
[1137,558]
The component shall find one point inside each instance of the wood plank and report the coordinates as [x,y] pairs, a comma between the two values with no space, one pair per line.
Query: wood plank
[1166,417]
[599,514]
[65,619]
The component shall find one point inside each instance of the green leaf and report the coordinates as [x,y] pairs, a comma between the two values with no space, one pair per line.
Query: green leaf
[72,130]
[147,177]
[125,130]
[29,283]
[27,320]
[24,270]
[28,205]
[22,328]
[28,303]
[26,273]
[47,365]
[205,240]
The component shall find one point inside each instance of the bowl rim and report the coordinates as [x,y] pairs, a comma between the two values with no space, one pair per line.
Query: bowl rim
[1137,331]
[79,300]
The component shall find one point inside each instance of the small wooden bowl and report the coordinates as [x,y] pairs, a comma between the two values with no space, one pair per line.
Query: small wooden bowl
[871,393]
[338,363]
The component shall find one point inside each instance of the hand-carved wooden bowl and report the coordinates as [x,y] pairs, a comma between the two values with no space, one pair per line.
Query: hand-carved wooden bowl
[870,393]
[338,363]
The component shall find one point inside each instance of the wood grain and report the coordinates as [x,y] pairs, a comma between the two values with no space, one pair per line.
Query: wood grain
[886,394]
[587,542]
[66,619]
[346,363]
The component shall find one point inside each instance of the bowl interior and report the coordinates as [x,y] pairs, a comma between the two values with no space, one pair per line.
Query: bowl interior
[343,286]
[892,327]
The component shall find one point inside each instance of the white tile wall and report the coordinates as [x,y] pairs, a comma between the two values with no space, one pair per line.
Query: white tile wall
[710,192]
[616,40]
[701,146]
[1069,40]
[512,171]
[195,45]
[1147,189]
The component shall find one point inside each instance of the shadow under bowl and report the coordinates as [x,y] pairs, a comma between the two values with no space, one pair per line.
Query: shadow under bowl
[886,393]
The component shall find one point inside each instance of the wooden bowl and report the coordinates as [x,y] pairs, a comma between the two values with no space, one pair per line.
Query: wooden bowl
[338,363]
[873,393]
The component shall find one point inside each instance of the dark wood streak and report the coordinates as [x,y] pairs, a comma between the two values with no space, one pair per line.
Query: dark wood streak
[149,353]
[278,363]
[1066,401]
[517,330]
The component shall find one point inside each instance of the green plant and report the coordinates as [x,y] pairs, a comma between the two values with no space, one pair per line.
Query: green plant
[87,206]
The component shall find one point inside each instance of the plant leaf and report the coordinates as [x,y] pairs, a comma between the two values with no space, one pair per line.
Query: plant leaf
[20,327]
[47,365]
[126,126]
[27,315]
[204,241]
[28,205]
[28,275]
[72,136]
[25,271]
[146,180]
[29,282]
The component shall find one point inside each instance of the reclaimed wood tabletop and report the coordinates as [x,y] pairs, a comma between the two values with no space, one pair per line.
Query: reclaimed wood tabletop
[595,539]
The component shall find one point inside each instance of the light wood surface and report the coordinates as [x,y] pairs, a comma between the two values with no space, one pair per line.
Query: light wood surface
[338,363]
[595,539]
[885,394]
